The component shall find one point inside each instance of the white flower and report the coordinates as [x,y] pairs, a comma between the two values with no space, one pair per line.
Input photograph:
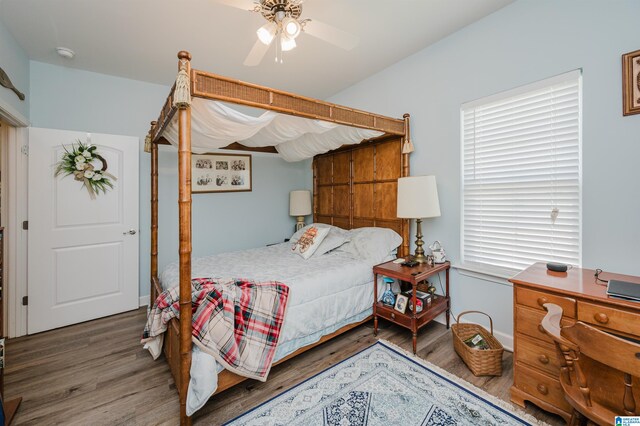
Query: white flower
[79,166]
[86,154]
[80,159]
[89,174]
[96,176]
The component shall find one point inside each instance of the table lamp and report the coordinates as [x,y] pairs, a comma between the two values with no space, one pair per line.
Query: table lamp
[418,199]
[299,206]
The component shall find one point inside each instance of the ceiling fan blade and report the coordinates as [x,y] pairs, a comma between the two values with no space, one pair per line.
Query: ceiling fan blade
[258,51]
[330,34]
[239,4]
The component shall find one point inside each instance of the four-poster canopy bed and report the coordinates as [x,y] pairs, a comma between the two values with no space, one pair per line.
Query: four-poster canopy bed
[354,186]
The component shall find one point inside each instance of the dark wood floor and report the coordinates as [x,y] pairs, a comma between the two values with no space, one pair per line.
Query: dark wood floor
[97,373]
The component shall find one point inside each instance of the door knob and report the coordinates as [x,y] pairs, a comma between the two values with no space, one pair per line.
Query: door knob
[130,232]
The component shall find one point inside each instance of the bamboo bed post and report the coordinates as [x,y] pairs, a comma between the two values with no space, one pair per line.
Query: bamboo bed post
[184,204]
[405,172]
[407,137]
[154,219]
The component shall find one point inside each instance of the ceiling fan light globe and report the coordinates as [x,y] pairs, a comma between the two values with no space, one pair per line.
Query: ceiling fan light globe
[267,32]
[287,43]
[291,27]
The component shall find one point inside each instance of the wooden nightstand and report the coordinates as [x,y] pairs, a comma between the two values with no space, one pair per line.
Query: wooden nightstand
[411,320]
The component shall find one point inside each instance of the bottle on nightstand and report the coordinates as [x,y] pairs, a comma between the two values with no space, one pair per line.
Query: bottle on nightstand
[388,297]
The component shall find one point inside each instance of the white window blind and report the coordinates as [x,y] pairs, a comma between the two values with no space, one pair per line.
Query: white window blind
[522,176]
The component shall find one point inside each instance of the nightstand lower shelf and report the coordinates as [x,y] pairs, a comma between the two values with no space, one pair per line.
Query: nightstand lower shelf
[438,306]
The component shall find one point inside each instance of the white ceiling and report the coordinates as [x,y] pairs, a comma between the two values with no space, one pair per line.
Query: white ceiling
[139,39]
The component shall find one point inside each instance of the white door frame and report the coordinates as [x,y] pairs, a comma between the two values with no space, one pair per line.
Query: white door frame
[14,211]
[16,237]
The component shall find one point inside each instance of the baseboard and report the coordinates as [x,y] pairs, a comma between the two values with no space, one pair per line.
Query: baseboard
[143,301]
[504,338]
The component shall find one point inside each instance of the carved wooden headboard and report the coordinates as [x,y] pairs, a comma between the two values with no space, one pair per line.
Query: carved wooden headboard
[357,186]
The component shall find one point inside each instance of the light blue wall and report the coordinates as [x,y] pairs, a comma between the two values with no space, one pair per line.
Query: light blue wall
[235,220]
[15,63]
[527,41]
[65,98]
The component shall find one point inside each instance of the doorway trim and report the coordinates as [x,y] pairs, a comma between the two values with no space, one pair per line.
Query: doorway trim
[14,211]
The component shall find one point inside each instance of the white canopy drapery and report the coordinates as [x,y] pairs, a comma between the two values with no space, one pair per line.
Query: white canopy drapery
[215,125]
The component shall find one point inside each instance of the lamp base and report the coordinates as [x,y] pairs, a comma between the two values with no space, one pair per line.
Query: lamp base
[299,223]
[419,256]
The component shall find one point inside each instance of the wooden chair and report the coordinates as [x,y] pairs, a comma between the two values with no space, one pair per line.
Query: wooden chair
[597,370]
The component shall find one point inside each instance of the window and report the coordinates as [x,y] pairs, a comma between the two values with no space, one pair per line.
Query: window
[521,176]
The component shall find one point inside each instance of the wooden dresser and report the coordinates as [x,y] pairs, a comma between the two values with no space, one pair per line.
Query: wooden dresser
[536,369]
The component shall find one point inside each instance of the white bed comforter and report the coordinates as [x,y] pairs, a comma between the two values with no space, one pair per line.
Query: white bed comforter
[323,291]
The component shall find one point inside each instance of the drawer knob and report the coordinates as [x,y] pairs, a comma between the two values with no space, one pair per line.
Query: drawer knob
[543,359]
[541,329]
[601,318]
[542,301]
[542,389]
[393,316]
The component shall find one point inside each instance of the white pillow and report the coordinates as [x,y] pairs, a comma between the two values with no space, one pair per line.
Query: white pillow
[374,244]
[336,237]
[309,241]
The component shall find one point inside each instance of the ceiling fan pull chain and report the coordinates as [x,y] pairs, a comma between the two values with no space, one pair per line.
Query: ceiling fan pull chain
[279,47]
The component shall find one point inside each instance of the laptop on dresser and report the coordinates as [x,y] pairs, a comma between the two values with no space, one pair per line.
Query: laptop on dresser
[624,290]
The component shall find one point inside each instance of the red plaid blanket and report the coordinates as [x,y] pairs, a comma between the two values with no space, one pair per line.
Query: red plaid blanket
[237,321]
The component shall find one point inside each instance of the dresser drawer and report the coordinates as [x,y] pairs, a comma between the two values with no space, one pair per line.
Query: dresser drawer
[611,318]
[541,386]
[528,322]
[537,354]
[537,299]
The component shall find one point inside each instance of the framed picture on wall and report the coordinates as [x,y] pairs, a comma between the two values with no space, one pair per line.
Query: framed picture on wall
[220,173]
[631,83]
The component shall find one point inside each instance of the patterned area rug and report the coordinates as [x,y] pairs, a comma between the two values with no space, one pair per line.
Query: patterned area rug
[384,385]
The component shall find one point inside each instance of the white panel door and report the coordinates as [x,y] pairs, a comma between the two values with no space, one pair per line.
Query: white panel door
[83,253]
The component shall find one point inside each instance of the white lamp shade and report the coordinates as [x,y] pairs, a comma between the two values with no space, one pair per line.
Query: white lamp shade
[291,27]
[418,197]
[299,203]
[287,44]
[267,32]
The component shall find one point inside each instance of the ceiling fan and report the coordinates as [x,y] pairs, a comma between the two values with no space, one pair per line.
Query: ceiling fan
[284,26]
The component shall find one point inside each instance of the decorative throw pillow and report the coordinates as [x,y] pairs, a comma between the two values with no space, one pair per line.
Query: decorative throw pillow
[296,235]
[309,242]
[336,237]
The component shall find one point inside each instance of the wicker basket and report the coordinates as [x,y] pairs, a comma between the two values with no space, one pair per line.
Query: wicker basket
[487,362]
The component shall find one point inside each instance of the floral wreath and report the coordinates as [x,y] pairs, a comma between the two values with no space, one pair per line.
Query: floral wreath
[77,161]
